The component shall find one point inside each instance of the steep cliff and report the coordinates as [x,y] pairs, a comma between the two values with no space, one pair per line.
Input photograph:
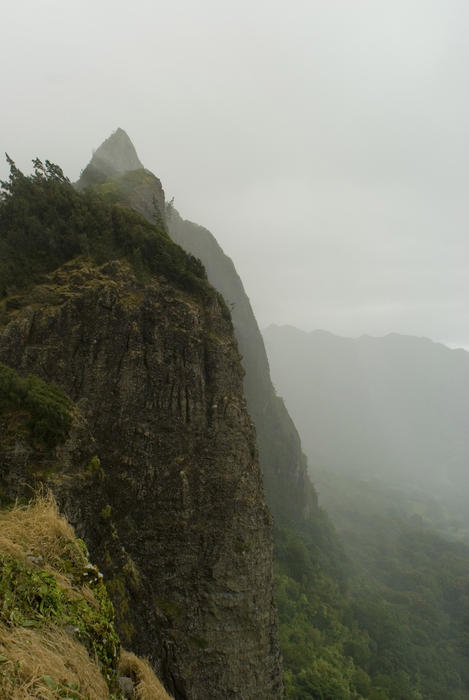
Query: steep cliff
[289,492]
[167,490]
[310,562]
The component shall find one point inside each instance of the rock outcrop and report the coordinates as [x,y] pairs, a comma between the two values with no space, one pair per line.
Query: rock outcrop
[116,171]
[166,488]
[115,155]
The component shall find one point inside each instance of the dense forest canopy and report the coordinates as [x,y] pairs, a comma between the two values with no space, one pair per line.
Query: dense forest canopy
[397,628]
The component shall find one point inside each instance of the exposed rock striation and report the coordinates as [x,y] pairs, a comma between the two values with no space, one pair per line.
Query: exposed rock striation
[289,492]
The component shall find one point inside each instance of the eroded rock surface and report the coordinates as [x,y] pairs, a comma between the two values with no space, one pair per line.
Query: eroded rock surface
[173,512]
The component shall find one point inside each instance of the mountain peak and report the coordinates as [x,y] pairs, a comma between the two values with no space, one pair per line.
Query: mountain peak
[116,154]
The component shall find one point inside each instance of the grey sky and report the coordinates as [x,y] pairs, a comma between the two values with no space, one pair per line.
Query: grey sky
[324,142]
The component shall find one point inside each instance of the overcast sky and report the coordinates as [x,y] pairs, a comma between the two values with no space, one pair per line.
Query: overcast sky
[324,142]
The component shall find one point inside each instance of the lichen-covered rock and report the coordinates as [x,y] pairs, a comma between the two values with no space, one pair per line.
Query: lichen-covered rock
[172,507]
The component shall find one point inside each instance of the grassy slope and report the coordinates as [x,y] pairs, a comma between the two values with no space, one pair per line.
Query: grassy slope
[57,638]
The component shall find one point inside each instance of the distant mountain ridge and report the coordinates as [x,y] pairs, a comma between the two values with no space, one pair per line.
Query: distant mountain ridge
[395,407]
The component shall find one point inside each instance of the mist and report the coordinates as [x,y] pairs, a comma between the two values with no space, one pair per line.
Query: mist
[325,144]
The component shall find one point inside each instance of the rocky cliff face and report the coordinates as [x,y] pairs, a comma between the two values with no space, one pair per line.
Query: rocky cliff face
[172,508]
[289,492]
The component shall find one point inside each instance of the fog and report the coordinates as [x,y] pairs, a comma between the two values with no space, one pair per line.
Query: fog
[324,142]
[396,408]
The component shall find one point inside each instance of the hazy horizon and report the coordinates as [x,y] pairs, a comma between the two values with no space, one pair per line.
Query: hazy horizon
[324,143]
[357,336]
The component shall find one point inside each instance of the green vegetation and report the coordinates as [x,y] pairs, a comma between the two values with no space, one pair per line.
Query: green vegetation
[57,635]
[44,222]
[45,409]
[313,635]
[94,468]
[399,627]
[32,597]
[44,571]
[106,512]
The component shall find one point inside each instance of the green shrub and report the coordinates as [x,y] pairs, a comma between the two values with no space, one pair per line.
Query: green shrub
[44,222]
[46,408]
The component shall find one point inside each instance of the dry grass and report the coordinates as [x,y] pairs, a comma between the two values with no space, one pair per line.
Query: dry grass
[48,663]
[41,531]
[41,665]
[147,685]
